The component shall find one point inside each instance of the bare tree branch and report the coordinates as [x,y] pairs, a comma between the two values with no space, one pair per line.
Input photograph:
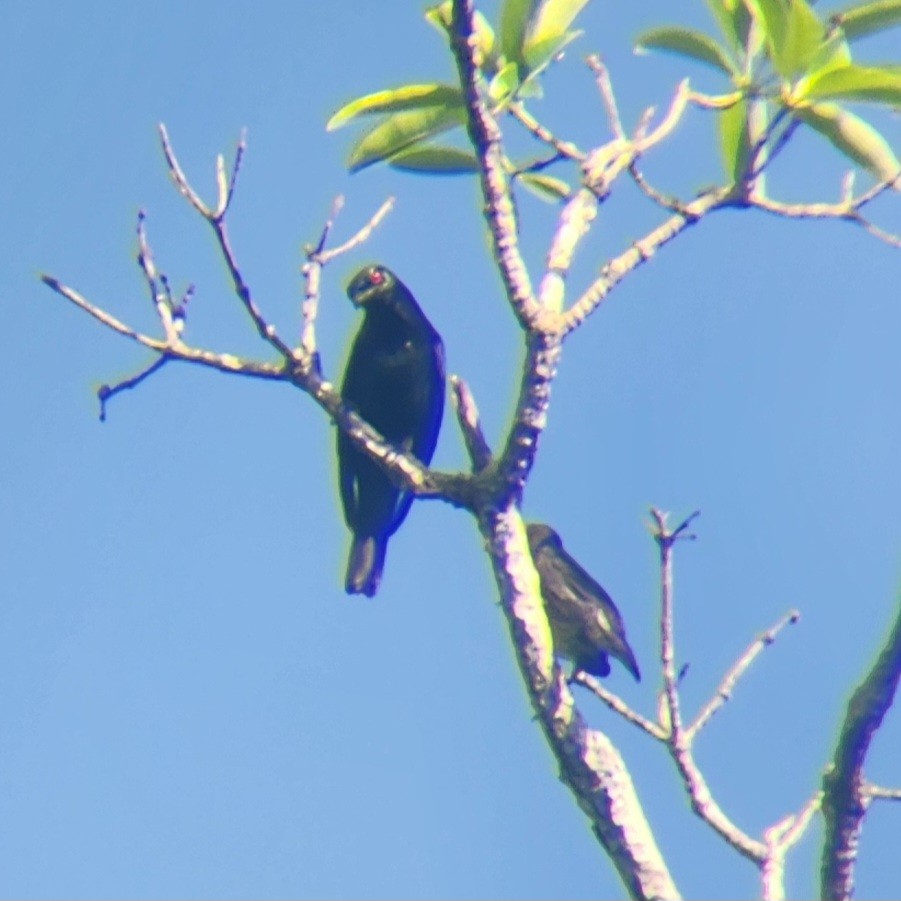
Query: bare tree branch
[678,743]
[847,209]
[563,149]
[106,392]
[485,136]
[216,220]
[297,369]
[887,794]
[590,766]
[470,425]
[318,257]
[780,839]
[618,705]
[641,252]
[736,671]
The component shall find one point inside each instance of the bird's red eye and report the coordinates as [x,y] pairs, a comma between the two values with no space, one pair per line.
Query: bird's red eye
[376,277]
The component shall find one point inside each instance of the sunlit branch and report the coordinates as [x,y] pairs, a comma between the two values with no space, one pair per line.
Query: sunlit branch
[317,257]
[780,839]
[216,219]
[564,149]
[470,425]
[736,671]
[485,136]
[640,253]
[618,705]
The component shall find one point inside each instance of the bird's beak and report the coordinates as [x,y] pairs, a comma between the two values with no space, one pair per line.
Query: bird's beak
[358,292]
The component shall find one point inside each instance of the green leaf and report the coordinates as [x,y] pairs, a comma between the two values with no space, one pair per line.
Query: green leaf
[440,17]
[852,136]
[687,42]
[772,17]
[408,97]
[833,53]
[516,16]
[400,131]
[734,20]
[548,188]
[866,83]
[435,159]
[735,143]
[555,17]
[804,36]
[867,18]
[504,84]
[550,27]
[539,55]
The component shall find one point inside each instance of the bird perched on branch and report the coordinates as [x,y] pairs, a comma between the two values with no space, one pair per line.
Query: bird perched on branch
[395,380]
[585,625]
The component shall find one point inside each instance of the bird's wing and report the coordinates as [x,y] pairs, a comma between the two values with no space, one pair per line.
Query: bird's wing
[347,481]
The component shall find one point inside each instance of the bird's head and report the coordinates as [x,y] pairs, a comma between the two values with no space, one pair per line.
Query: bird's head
[370,283]
[538,534]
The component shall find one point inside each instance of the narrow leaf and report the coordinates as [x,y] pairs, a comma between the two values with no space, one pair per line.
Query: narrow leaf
[735,144]
[539,55]
[833,53]
[687,42]
[852,136]
[504,83]
[435,159]
[733,19]
[399,131]
[552,22]
[865,83]
[408,97]
[804,36]
[548,188]
[867,18]
[772,16]
[516,16]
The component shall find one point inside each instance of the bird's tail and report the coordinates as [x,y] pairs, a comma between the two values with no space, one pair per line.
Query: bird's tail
[364,566]
[627,658]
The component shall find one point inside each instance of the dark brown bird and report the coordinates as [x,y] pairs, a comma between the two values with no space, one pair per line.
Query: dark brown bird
[585,625]
[395,381]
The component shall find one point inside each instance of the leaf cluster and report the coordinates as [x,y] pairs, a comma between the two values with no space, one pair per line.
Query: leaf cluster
[787,65]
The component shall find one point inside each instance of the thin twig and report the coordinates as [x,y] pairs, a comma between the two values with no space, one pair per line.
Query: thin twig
[605,88]
[678,742]
[106,392]
[178,351]
[887,794]
[470,425]
[227,190]
[326,256]
[618,705]
[780,838]
[158,285]
[666,201]
[564,149]
[317,258]
[216,219]
[736,671]
[640,253]
[847,210]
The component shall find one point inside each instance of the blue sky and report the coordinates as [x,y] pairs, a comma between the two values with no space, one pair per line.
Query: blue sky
[191,705]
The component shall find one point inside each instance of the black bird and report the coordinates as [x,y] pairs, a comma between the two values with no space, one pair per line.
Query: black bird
[585,624]
[395,381]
